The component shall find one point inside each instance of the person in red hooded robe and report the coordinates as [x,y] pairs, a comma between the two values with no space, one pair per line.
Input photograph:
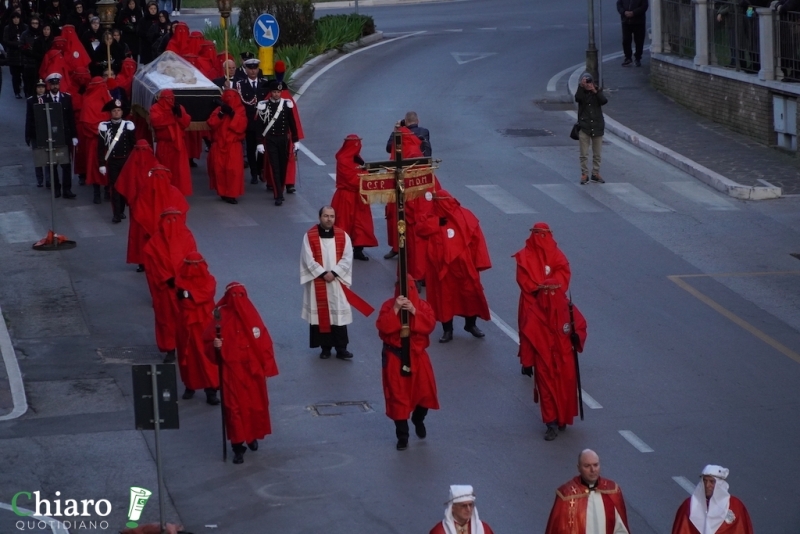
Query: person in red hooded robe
[413,393]
[353,215]
[74,53]
[196,291]
[180,43]
[53,60]
[247,358]
[207,60]
[92,115]
[539,259]
[125,77]
[131,181]
[155,194]
[163,257]
[169,120]
[553,326]
[228,125]
[291,167]
[456,255]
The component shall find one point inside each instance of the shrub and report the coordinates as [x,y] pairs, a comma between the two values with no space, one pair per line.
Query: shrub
[332,31]
[295,18]
[236,45]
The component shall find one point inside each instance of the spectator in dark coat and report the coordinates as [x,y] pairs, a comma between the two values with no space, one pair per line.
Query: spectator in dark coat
[128,20]
[79,18]
[147,26]
[31,40]
[12,42]
[590,99]
[93,37]
[56,15]
[634,27]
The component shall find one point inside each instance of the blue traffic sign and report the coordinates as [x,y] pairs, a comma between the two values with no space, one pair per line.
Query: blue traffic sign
[266,30]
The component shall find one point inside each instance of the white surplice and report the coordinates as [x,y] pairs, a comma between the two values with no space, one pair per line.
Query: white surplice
[338,306]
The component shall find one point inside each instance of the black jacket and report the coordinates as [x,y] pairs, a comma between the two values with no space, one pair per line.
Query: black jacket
[639,8]
[590,114]
[250,98]
[12,42]
[424,136]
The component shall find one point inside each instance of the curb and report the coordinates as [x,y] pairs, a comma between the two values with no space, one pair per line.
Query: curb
[701,172]
[330,54]
[14,375]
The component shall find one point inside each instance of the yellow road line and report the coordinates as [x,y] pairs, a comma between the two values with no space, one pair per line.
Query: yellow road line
[772,342]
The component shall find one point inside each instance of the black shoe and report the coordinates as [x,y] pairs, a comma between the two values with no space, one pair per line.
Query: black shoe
[192,164]
[360,256]
[475,331]
[402,444]
[324,355]
[551,433]
[116,219]
[69,195]
[638,63]
[58,194]
[596,178]
[420,429]
[389,255]
[212,399]
[562,428]
[230,200]
[140,268]
[169,357]
[279,202]
[123,216]
[81,179]
[253,180]
[290,189]
[627,62]
[238,457]
[253,445]
[188,394]
[447,337]
[344,355]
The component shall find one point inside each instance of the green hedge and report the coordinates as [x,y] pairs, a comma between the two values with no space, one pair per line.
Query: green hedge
[295,17]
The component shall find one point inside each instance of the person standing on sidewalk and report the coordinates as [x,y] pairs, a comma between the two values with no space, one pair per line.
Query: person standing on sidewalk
[592,124]
[634,26]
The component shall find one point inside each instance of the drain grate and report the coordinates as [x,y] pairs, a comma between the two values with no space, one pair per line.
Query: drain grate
[525,132]
[549,105]
[339,408]
[129,355]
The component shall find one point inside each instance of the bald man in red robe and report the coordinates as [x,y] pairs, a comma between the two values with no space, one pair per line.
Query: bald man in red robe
[405,394]
[169,120]
[163,257]
[553,329]
[228,124]
[196,291]
[248,359]
[131,180]
[456,255]
[538,260]
[353,215]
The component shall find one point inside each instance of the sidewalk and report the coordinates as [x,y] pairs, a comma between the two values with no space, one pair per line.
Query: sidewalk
[633,102]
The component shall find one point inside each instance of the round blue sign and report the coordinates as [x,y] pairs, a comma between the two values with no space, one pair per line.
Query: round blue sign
[266,30]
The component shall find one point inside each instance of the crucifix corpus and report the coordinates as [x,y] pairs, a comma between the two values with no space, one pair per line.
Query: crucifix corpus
[398,180]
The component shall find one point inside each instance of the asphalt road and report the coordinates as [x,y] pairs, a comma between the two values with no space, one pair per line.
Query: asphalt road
[691,299]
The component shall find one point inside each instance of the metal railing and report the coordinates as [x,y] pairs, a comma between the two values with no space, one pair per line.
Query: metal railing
[787,45]
[677,23]
[733,36]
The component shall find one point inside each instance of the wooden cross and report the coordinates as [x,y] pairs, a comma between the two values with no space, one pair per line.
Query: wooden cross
[398,180]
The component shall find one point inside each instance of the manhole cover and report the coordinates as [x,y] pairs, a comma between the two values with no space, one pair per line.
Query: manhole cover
[129,355]
[547,105]
[525,132]
[339,408]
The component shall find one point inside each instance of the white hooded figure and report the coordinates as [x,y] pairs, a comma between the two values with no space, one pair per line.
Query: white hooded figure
[712,509]
[460,514]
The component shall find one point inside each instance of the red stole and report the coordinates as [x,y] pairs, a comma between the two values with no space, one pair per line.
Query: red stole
[320,286]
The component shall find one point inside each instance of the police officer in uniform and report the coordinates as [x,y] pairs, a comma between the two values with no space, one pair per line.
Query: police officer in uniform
[253,89]
[275,127]
[30,130]
[115,144]
[70,133]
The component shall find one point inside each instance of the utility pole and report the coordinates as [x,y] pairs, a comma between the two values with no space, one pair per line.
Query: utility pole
[591,49]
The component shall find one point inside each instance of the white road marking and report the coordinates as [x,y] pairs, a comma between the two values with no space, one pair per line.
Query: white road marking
[633,196]
[56,526]
[232,217]
[454,30]
[501,199]
[589,401]
[311,155]
[18,399]
[551,84]
[332,175]
[520,28]
[87,223]
[634,440]
[488,29]
[766,183]
[702,195]
[468,57]
[685,484]
[571,197]
[11,175]
[18,227]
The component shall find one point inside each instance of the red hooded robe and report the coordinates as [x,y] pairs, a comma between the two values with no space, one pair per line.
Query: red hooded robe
[456,255]
[353,215]
[227,134]
[92,115]
[155,194]
[125,77]
[132,179]
[163,257]
[195,309]
[207,61]
[404,393]
[247,358]
[170,146]
[548,327]
[180,41]
[75,53]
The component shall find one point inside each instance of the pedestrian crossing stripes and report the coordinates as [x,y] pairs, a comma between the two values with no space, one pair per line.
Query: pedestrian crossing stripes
[19,227]
[501,199]
[700,194]
[635,197]
[571,197]
[87,222]
[635,440]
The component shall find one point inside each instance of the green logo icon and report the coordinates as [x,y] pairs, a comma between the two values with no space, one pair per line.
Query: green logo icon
[139,498]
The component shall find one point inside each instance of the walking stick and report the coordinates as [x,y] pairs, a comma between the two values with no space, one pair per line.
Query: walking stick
[572,337]
[218,351]
[108,52]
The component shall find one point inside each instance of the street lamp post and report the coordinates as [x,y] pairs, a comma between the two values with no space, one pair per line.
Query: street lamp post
[591,49]
[225,7]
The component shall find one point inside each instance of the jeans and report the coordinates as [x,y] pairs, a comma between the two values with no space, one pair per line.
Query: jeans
[597,148]
[165,5]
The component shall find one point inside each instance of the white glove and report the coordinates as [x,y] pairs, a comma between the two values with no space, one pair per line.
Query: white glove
[74,141]
[297,146]
[103,171]
[260,149]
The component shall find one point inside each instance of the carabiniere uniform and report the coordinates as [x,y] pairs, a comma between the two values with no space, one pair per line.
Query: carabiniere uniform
[276,127]
[116,142]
